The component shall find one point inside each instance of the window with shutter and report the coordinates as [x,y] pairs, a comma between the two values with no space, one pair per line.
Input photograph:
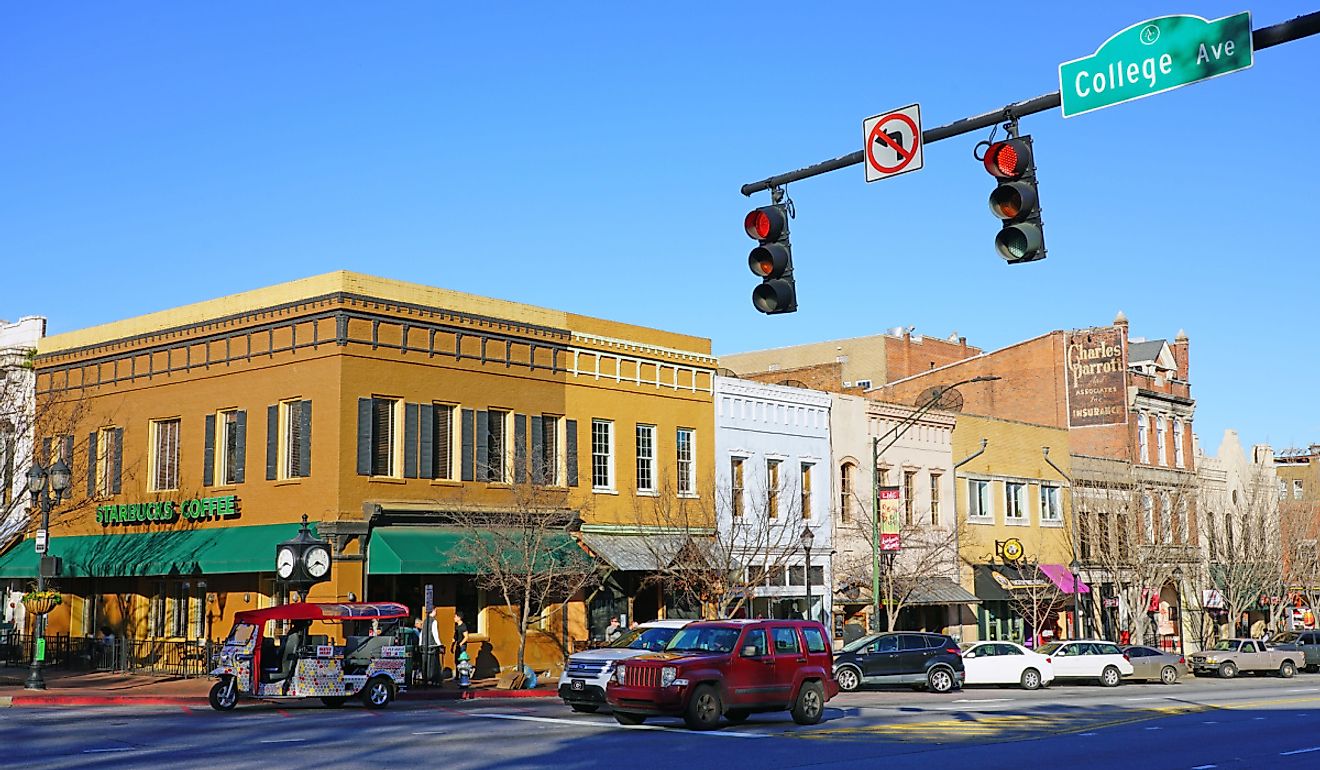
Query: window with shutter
[442,441]
[547,458]
[497,445]
[227,454]
[165,455]
[383,436]
[104,451]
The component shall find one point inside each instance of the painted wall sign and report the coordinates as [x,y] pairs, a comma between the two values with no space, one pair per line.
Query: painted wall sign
[1096,363]
[169,511]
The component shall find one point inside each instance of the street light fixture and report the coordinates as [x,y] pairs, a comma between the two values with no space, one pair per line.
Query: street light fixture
[1177,585]
[937,395]
[808,537]
[59,479]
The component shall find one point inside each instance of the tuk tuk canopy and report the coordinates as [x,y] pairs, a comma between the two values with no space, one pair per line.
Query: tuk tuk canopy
[324,611]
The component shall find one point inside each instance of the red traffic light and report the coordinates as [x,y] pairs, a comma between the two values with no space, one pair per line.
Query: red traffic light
[767,223]
[1009,159]
[1013,200]
[768,261]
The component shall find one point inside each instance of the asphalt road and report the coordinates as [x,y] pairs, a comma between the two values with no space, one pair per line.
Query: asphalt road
[1197,725]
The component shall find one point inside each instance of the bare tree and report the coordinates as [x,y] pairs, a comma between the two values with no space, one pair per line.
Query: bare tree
[1245,543]
[520,553]
[1299,529]
[1036,599]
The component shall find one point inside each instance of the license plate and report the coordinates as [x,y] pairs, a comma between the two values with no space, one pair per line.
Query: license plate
[578,684]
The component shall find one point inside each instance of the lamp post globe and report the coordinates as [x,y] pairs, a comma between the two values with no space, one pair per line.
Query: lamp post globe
[36,482]
[61,478]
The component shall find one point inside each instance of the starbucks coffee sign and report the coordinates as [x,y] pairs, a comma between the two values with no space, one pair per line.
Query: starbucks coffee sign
[168,511]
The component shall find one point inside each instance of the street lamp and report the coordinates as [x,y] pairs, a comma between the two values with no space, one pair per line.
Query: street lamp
[1177,585]
[937,395]
[47,487]
[807,538]
[1075,566]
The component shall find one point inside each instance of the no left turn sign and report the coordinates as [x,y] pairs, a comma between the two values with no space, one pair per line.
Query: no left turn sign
[892,143]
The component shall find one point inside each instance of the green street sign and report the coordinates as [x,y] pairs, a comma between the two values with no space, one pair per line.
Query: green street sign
[1154,56]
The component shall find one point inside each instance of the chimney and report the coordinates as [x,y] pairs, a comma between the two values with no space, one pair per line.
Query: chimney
[1179,349]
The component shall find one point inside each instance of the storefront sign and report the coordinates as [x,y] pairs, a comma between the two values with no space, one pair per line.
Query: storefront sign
[1096,373]
[169,511]
[890,539]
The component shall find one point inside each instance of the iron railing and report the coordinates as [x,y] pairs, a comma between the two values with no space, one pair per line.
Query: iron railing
[161,657]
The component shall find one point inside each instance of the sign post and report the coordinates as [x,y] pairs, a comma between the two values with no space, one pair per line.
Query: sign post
[42,541]
[891,143]
[1154,56]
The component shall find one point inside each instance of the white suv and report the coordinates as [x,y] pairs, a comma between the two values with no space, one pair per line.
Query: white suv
[1088,659]
[583,684]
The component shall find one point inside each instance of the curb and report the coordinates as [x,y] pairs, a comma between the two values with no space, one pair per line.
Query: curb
[17,701]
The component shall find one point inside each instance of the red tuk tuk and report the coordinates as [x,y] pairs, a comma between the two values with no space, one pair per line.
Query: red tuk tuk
[302,665]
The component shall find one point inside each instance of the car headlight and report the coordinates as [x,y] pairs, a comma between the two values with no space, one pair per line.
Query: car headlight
[1212,660]
[608,671]
[667,675]
[620,673]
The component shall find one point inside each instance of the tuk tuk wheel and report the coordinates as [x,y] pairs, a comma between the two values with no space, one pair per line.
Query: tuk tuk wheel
[334,702]
[224,694]
[378,693]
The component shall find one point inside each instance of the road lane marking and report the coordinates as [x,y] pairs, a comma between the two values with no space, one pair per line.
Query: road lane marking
[1148,697]
[607,726]
[982,700]
[284,740]
[430,732]
[1085,735]
[1304,689]
[1299,751]
[1205,767]
[102,751]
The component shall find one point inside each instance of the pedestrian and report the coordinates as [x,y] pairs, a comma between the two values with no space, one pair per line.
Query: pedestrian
[460,634]
[613,631]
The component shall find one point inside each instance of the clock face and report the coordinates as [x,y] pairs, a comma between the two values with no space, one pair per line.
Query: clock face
[284,562]
[317,561]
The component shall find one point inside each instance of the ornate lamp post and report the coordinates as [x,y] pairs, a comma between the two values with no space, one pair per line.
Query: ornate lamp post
[47,487]
[807,538]
[1177,584]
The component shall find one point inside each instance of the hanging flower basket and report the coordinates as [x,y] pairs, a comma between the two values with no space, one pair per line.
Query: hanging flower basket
[41,602]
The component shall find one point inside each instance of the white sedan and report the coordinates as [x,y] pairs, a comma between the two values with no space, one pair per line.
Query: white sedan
[1006,663]
[1088,659]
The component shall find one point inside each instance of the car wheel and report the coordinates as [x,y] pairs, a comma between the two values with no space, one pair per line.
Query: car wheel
[378,693]
[704,708]
[1111,677]
[224,694]
[849,678]
[627,718]
[584,708]
[1227,671]
[940,680]
[1169,675]
[334,702]
[1030,679]
[737,716]
[1287,669]
[810,705]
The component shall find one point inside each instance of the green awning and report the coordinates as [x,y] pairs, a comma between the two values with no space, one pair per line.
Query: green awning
[201,551]
[450,551]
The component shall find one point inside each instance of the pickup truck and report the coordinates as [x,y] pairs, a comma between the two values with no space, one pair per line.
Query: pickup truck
[1229,656]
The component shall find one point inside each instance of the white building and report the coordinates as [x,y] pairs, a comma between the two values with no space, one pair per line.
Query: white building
[920,463]
[772,455]
[17,411]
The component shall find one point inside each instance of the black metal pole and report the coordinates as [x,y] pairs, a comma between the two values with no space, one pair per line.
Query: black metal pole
[808,615]
[1265,37]
[35,680]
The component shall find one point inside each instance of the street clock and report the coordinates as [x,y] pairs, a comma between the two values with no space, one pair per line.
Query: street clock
[303,560]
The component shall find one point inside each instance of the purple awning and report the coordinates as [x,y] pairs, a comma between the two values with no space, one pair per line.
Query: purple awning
[1061,577]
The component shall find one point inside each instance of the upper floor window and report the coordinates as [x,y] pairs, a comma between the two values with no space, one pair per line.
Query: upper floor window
[806,490]
[687,466]
[1166,517]
[1051,508]
[645,458]
[1161,442]
[105,462]
[846,491]
[1297,489]
[1179,459]
[909,495]
[1283,489]
[229,454]
[294,450]
[602,455]
[1015,499]
[7,465]
[1184,524]
[547,470]
[935,499]
[1143,439]
[385,436]
[772,488]
[1148,516]
[165,455]
[978,500]
[737,484]
[497,446]
[442,442]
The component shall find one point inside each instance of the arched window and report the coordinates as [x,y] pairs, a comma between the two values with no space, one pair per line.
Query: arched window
[847,472]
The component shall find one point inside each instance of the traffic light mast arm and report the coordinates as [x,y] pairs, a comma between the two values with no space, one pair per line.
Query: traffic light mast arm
[1265,37]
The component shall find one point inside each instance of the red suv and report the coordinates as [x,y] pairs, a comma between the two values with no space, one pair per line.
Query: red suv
[729,668]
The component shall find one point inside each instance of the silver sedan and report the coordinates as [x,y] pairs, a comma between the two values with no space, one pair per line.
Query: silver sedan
[1152,665]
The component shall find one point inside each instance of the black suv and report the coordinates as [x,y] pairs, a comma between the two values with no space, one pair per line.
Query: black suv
[931,661]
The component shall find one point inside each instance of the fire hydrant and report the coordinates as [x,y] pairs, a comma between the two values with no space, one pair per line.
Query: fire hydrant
[464,670]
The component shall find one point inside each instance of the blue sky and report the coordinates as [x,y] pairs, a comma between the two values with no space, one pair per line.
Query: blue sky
[588,157]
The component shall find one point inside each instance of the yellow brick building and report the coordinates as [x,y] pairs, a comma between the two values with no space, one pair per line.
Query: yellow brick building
[1014,513]
[383,410]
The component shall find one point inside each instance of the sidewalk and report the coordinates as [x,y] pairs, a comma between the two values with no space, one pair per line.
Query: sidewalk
[70,688]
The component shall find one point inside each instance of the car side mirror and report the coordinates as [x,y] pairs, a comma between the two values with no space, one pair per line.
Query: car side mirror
[969,654]
[751,651]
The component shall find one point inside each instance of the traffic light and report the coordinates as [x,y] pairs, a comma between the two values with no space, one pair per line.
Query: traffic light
[1016,201]
[772,260]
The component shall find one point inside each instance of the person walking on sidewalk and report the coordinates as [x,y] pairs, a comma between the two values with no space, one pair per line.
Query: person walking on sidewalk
[460,634]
